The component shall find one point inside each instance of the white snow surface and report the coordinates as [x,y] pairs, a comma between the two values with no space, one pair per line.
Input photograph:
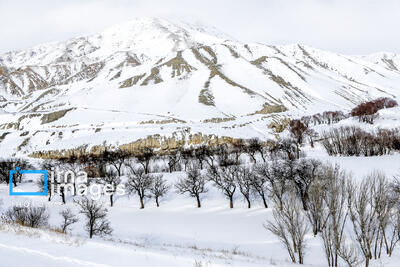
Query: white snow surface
[178,75]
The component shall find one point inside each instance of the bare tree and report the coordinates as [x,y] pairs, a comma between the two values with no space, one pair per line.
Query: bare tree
[12,164]
[68,218]
[363,215]
[28,216]
[238,148]
[40,185]
[350,254]
[312,134]
[384,202]
[159,187]
[290,227]
[244,180]
[335,215]
[298,131]
[224,178]
[193,183]
[140,183]
[116,159]
[277,176]
[173,158]
[260,182]
[254,146]
[96,217]
[144,157]
[306,171]
[187,155]
[200,153]
[111,181]
[316,212]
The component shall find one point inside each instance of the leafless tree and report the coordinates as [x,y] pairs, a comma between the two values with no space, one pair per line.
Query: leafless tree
[238,148]
[311,134]
[200,153]
[140,183]
[96,217]
[244,180]
[288,148]
[384,203]
[46,165]
[316,211]
[254,146]
[350,254]
[363,215]
[117,159]
[224,178]
[173,159]
[12,164]
[277,176]
[28,216]
[187,155]
[305,172]
[290,226]
[259,181]
[68,219]
[144,157]
[111,180]
[193,184]
[334,215]
[298,131]
[224,156]
[159,187]
[70,167]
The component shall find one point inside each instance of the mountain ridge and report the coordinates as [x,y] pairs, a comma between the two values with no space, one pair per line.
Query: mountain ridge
[179,76]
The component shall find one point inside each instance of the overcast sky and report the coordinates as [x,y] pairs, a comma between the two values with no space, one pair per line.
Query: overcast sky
[345,26]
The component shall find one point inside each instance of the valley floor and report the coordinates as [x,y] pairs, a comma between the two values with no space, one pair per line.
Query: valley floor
[175,234]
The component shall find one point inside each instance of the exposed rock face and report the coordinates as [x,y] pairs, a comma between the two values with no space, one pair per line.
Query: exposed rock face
[53,116]
[159,143]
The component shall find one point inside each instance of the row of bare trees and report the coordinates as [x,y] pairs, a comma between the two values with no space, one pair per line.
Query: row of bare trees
[365,112]
[354,141]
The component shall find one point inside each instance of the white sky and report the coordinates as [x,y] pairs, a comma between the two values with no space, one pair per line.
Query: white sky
[345,26]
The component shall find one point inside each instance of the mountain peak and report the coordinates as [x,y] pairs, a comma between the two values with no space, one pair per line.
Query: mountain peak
[150,37]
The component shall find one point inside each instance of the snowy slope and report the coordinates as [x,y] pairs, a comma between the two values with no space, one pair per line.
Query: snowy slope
[155,76]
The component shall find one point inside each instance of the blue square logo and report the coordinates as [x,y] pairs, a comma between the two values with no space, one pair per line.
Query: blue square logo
[17,170]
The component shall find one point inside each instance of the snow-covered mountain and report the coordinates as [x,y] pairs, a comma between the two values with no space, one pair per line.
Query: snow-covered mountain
[172,81]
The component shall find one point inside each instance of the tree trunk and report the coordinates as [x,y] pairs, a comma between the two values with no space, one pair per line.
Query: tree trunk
[198,201]
[141,203]
[367,261]
[111,200]
[158,205]
[231,202]
[264,201]
[248,203]
[91,231]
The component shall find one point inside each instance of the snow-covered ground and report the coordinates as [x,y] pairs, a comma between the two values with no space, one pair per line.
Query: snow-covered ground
[155,77]
[175,234]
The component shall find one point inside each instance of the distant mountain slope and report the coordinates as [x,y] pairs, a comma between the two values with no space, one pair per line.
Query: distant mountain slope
[153,76]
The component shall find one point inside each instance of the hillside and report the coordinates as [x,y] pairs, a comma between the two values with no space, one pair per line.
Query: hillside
[173,81]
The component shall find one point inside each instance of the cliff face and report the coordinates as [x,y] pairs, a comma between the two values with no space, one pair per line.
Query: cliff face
[161,144]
